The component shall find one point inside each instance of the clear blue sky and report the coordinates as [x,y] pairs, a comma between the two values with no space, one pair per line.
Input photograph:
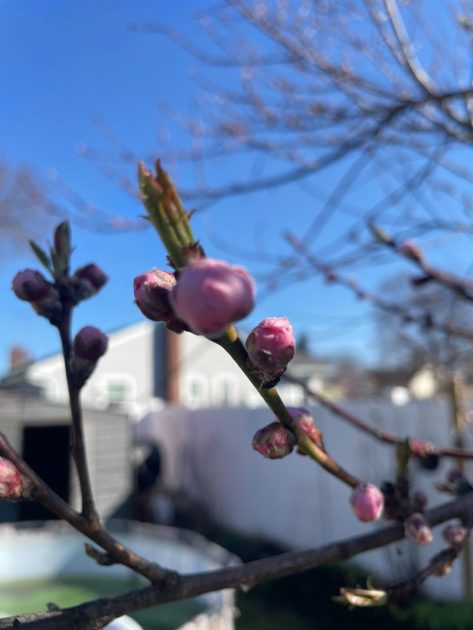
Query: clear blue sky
[61,63]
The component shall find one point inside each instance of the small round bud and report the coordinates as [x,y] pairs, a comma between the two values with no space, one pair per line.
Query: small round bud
[11,481]
[90,344]
[211,294]
[152,290]
[89,280]
[31,285]
[417,528]
[455,535]
[271,343]
[274,441]
[367,502]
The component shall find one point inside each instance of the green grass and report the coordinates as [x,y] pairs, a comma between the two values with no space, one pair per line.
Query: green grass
[34,595]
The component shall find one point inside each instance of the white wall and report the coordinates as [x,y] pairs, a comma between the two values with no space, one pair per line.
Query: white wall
[208,452]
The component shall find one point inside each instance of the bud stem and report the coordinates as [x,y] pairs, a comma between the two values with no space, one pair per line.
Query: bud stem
[78,442]
[166,213]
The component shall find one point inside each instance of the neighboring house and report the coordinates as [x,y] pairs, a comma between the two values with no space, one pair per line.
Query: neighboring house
[146,367]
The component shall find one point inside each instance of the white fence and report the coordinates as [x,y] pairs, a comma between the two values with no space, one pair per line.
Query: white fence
[208,453]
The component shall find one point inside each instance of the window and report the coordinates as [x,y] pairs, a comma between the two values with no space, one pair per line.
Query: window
[195,391]
[116,392]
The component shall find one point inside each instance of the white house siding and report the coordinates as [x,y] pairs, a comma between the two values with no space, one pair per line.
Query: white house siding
[293,501]
[108,443]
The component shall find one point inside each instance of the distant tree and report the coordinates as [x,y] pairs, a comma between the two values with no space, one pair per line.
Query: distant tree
[288,89]
[411,347]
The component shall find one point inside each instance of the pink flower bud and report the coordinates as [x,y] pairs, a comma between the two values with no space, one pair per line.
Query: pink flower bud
[455,535]
[305,422]
[367,502]
[31,285]
[90,344]
[417,528]
[152,291]
[274,441]
[89,280]
[11,481]
[211,294]
[271,343]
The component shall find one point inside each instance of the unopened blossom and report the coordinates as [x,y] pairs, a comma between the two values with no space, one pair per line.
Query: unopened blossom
[211,294]
[274,441]
[31,285]
[455,535]
[90,344]
[417,528]
[11,481]
[152,294]
[271,344]
[88,280]
[367,502]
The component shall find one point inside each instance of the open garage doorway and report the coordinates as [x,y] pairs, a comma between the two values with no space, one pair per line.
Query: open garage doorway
[46,449]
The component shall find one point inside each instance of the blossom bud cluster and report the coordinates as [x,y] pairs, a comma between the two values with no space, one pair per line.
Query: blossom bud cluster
[206,297]
[30,285]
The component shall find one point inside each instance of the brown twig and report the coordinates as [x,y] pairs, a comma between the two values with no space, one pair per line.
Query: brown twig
[460,286]
[381,435]
[78,441]
[424,321]
[439,565]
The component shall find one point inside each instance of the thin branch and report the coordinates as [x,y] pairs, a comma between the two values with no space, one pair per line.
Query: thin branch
[89,510]
[381,435]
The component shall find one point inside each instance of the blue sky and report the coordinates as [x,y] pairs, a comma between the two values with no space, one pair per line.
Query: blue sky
[61,64]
